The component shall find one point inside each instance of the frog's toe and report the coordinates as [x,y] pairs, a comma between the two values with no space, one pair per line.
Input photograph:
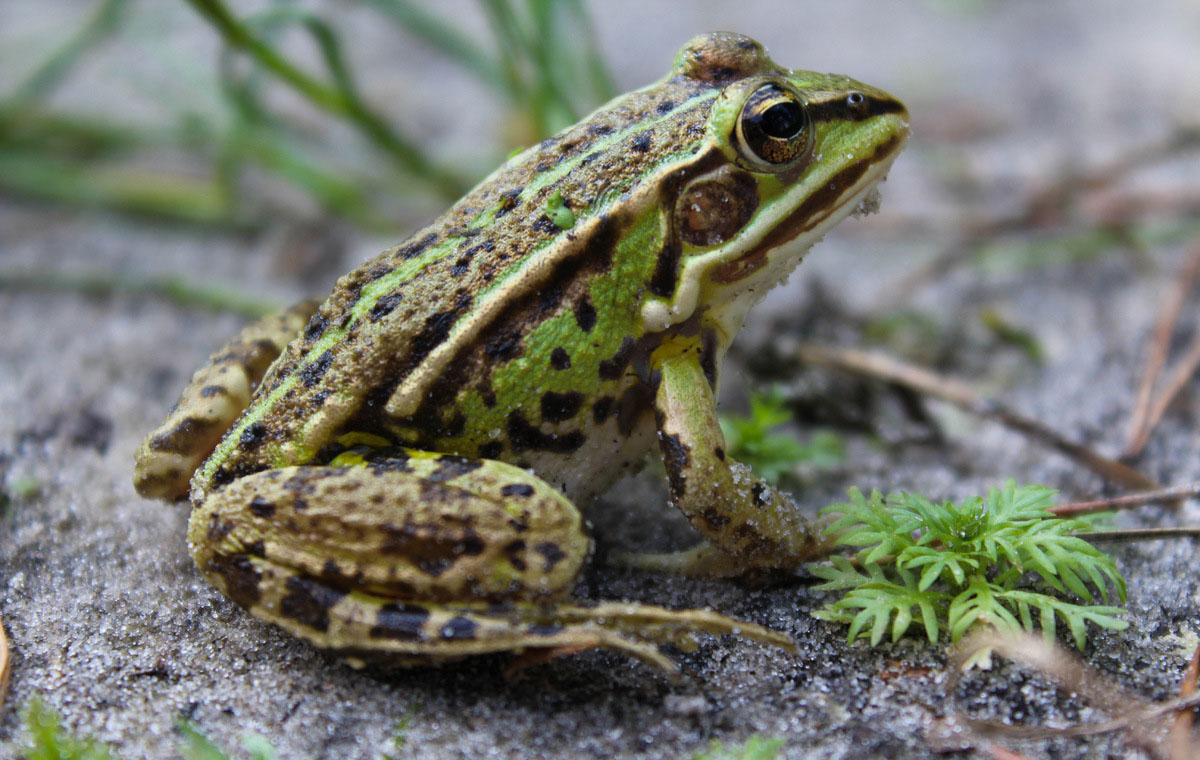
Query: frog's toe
[647,653]
[634,629]
[663,626]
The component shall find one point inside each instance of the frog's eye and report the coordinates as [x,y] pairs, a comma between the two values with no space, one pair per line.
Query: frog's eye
[774,128]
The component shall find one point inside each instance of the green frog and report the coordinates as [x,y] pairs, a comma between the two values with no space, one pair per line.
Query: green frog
[392,474]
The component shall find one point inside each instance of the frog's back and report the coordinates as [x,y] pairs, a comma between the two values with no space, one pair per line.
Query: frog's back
[510,327]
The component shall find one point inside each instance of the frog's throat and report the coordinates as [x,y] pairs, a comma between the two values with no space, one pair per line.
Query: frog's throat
[748,266]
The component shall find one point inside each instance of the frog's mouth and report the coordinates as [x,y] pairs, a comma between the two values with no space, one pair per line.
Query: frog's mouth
[853,190]
[735,286]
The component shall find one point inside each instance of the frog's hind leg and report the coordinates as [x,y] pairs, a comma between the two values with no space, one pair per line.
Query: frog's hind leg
[423,556]
[212,400]
[364,628]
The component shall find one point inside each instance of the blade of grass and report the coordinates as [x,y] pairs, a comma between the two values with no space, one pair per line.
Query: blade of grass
[256,137]
[600,80]
[100,25]
[341,99]
[511,42]
[552,66]
[197,746]
[332,188]
[176,289]
[125,188]
[30,127]
[49,740]
[446,39]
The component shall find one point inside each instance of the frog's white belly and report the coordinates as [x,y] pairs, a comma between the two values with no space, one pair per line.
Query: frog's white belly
[606,457]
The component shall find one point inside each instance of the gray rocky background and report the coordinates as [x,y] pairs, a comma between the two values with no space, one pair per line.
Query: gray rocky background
[113,626]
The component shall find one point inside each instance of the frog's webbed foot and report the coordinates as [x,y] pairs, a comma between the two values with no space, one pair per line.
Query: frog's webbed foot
[363,627]
[638,629]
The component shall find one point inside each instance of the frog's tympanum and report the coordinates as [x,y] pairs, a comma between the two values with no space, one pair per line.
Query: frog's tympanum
[392,474]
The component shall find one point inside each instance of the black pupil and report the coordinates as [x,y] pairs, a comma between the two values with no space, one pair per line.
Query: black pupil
[783,121]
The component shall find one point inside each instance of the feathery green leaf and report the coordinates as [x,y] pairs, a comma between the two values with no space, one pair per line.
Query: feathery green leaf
[961,565]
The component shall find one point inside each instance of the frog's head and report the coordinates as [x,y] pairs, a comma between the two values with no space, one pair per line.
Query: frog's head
[786,155]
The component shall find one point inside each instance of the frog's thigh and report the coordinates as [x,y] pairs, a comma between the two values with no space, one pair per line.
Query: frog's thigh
[749,523]
[414,527]
[215,396]
[403,556]
[423,558]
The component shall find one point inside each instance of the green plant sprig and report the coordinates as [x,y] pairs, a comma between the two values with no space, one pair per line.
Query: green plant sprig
[755,748]
[48,740]
[749,440]
[955,566]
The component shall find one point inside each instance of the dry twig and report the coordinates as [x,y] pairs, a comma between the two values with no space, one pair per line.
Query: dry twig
[1181,730]
[1117,210]
[1041,207]
[1141,534]
[1143,719]
[1003,753]
[1127,501]
[5,666]
[1176,381]
[1146,412]
[958,393]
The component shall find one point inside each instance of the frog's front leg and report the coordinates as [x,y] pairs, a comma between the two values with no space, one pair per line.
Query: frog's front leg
[407,556]
[748,523]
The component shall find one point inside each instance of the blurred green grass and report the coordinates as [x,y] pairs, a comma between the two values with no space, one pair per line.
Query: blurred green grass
[539,57]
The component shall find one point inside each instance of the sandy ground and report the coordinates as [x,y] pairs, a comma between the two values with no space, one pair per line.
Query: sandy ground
[113,626]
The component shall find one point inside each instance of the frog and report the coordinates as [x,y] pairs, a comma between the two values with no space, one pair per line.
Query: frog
[394,474]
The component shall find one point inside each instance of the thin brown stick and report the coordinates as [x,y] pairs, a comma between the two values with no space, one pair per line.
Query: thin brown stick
[1160,341]
[1042,206]
[1180,737]
[1122,209]
[5,666]
[1129,719]
[1003,753]
[1177,379]
[1141,534]
[959,394]
[1127,501]
[1140,717]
